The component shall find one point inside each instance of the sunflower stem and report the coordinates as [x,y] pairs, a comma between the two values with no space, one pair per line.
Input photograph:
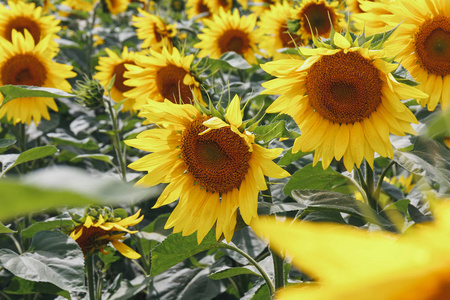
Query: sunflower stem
[254,263]
[370,186]
[278,266]
[376,193]
[116,140]
[89,261]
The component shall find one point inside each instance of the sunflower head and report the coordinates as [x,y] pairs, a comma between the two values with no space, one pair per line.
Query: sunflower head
[115,6]
[100,226]
[210,162]
[89,92]
[229,32]
[344,99]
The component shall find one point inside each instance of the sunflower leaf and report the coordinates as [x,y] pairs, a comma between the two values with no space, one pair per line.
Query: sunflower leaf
[229,60]
[282,126]
[227,272]
[176,248]
[19,286]
[53,257]
[4,229]
[5,144]
[11,92]
[13,160]
[30,231]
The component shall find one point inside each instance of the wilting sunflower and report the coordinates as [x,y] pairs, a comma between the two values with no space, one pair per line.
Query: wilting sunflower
[153,31]
[229,32]
[317,15]
[80,4]
[273,23]
[212,166]
[160,76]
[24,63]
[23,16]
[117,6]
[423,40]
[353,264]
[111,65]
[344,100]
[96,232]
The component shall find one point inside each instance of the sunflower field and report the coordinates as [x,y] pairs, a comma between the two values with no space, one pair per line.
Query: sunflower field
[225,149]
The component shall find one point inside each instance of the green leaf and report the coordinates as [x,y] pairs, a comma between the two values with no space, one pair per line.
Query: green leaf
[176,248]
[64,186]
[400,205]
[289,157]
[29,155]
[259,291]
[30,231]
[53,257]
[19,286]
[229,60]
[280,127]
[284,207]
[227,272]
[337,202]
[11,92]
[65,139]
[127,289]
[5,144]
[101,157]
[4,229]
[429,159]
[316,178]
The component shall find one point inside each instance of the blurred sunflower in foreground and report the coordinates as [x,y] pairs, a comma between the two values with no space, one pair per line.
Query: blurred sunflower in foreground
[353,264]
[111,65]
[24,63]
[23,16]
[421,43]
[229,32]
[100,227]
[344,99]
[159,76]
[212,165]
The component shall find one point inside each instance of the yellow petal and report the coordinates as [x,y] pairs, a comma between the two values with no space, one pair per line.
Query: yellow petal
[125,250]
[234,115]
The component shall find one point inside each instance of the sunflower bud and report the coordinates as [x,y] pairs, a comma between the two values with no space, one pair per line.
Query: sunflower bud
[89,92]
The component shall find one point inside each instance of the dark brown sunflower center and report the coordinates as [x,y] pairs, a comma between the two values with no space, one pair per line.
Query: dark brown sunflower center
[317,15]
[202,7]
[23,69]
[442,291]
[157,33]
[234,40]
[169,81]
[20,24]
[344,87]
[90,239]
[218,159]
[287,37]
[432,43]
[119,70]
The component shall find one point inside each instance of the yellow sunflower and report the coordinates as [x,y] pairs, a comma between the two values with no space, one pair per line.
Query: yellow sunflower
[117,6]
[316,15]
[423,40]
[371,15]
[353,264]
[111,65]
[95,233]
[229,32]
[153,31]
[24,63]
[344,100]
[81,5]
[160,76]
[211,165]
[23,16]
[273,23]
[196,7]
[260,6]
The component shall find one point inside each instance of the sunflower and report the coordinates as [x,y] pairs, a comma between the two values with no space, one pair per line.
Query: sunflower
[212,166]
[423,40]
[260,6]
[370,15]
[95,233]
[273,23]
[317,15]
[111,65]
[344,100]
[354,264]
[229,32]
[24,63]
[354,6]
[196,7]
[117,6]
[81,5]
[162,76]
[153,31]
[23,16]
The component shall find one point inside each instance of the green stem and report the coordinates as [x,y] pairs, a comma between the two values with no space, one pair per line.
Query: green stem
[254,263]
[370,187]
[89,260]
[278,266]
[90,40]
[4,295]
[116,140]
[377,192]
